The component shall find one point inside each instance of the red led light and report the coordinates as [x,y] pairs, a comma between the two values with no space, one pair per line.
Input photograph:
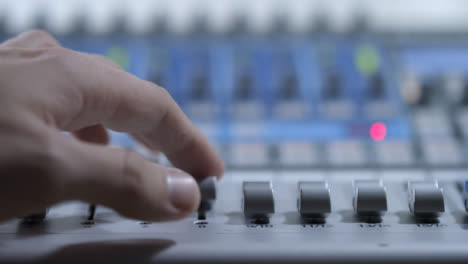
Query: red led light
[378,131]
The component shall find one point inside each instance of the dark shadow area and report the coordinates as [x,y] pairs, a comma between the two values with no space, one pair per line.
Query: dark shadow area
[60,224]
[313,221]
[258,220]
[242,219]
[121,251]
[349,216]
[371,219]
[28,229]
[294,218]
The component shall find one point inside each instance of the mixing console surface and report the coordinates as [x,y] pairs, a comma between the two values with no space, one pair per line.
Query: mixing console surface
[330,216]
[342,145]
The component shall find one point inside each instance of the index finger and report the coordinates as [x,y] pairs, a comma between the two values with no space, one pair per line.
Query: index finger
[123,102]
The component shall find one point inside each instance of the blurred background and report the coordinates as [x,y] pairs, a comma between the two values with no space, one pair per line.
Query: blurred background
[297,83]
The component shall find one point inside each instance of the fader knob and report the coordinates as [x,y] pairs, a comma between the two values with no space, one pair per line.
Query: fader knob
[244,88]
[376,86]
[199,24]
[415,91]
[208,188]
[258,199]
[425,199]
[289,87]
[370,198]
[333,85]
[455,87]
[199,87]
[410,88]
[427,90]
[239,24]
[314,199]
[208,194]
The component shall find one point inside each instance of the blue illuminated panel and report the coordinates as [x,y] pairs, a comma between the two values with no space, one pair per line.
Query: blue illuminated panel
[262,90]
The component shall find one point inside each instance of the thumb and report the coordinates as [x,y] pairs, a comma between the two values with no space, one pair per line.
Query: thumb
[123,180]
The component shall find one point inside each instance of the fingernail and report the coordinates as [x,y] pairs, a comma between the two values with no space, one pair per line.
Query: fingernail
[183,190]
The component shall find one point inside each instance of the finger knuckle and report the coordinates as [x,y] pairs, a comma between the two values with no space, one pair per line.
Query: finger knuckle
[45,37]
[55,58]
[61,61]
[163,94]
[37,33]
[165,102]
[56,52]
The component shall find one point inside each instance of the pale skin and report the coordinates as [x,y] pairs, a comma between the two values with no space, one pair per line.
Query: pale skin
[46,89]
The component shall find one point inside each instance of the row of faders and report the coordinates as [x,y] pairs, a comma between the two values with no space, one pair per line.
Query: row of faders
[425,199]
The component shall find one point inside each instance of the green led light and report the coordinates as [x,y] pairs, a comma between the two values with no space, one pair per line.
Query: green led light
[367,60]
[119,55]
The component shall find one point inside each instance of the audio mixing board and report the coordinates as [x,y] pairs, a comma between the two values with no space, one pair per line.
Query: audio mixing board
[340,147]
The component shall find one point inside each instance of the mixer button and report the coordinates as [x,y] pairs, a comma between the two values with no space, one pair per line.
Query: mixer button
[379,109]
[376,86]
[338,109]
[432,122]
[297,154]
[249,155]
[394,153]
[200,110]
[247,110]
[370,198]
[290,110]
[441,151]
[346,153]
[425,198]
[314,198]
[258,199]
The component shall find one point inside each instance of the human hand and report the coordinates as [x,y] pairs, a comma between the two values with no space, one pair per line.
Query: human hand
[46,89]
